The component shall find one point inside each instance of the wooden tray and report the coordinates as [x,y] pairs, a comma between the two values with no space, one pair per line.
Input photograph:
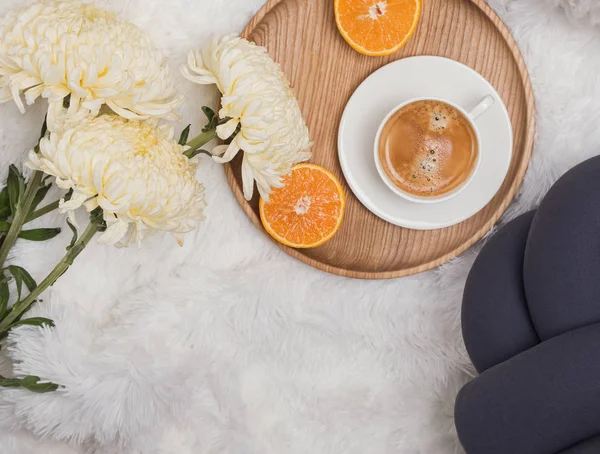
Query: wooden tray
[324,71]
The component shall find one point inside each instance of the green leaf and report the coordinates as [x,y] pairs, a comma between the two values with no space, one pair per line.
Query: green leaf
[4,200]
[16,187]
[34,321]
[39,196]
[4,213]
[9,382]
[210,114]
[75,235]
[185,134]
[44,128]
[31,383]
[39,234]
[22,277]
[4,226]
[213,120]
[4,295]
[4,204]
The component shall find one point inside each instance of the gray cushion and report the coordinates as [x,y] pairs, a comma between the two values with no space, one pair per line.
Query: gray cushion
[589,446]
[562,258]
[494,298]
[531,324]
[539,402]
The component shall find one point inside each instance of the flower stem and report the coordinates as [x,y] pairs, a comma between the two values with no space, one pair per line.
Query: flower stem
[48,208]
[20,215]
[197,142]
[21,306]
[42,211]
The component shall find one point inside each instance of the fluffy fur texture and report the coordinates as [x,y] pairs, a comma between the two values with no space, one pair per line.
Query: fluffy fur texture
[582,10]
[228,345]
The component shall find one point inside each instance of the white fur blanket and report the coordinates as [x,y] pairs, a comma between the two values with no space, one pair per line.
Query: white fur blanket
[227,345]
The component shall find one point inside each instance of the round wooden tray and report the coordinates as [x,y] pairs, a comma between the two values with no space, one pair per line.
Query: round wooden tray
[324,72]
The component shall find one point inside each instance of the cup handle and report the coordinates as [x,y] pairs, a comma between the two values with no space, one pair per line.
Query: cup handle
[482,107]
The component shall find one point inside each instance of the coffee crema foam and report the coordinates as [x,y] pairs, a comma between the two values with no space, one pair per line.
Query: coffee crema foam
[428,148]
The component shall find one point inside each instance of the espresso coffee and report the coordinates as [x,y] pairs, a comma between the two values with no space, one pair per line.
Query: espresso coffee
[428,148]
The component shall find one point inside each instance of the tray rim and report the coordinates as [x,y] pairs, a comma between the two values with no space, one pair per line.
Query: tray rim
[497,214]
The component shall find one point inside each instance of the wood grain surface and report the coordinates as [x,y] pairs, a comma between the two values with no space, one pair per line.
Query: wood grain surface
[324,72]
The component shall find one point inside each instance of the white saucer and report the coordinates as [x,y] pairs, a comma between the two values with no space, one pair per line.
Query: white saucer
[422,77]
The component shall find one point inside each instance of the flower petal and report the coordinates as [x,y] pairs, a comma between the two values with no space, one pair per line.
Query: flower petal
[77,199]
[114,233]
[255,94]
[54,49]
[230,153]
[226,131]
[134,170]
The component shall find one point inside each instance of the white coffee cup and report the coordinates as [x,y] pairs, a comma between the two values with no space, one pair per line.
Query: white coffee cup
[471,117]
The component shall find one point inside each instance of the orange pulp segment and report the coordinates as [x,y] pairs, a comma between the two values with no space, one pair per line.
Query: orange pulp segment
[308,210]
[377,27]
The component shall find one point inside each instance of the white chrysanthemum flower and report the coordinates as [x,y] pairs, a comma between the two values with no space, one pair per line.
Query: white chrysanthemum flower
[57,48]
[257,97]
[134,170]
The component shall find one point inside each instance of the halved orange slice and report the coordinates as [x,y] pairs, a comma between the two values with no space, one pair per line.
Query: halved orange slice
[377,27]
[308,211]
